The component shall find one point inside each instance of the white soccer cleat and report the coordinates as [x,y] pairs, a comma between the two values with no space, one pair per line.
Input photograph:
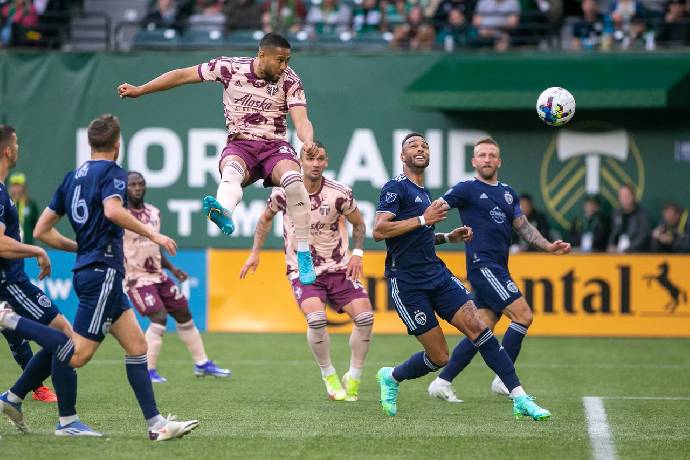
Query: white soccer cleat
[498,387]
[441,389]
[13,411]
[172,429]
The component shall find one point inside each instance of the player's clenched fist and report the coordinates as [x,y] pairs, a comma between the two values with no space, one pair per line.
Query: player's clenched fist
[436,212]
[127,90]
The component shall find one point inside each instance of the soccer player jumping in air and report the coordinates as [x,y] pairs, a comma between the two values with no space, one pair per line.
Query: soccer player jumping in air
[93,197]
[420,285]
[492,209]
[338,272]
[258,94]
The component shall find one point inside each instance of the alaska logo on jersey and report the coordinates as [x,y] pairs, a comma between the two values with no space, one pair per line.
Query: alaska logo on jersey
[578,163]
[497,215]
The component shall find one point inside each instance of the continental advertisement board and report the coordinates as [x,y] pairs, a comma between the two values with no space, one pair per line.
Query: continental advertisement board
[575,295]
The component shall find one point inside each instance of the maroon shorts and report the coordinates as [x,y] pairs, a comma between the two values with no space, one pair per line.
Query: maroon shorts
[333,288]
[260,157]
[155,297]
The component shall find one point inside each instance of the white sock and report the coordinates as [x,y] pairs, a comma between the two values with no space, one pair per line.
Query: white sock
[517,391]
[355,373]
[13,398]
[319,341]
[10,320]
[229,191]
[154,343]
[298,206]
[157,421]
[189,334]
[64,421]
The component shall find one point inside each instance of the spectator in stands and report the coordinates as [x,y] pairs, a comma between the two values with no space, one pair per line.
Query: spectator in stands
[676,28]
[673,233]
[162,16]
[395,12]
[536,218]
[242,14]
[628,21]
[441,16]
[19,21]
[207,16]
[329,16]
[283,15]
[415,33]
[587,32]
[630,227]
[454,29]
[495,19]
[27,210]
[367,17]
[590,232]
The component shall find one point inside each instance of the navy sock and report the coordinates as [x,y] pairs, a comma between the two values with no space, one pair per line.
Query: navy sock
[51,339]
[65,383]
[138,376]
[35,372]
[20,348]
[416,366]
[497,359]
[512,340]
[459,359]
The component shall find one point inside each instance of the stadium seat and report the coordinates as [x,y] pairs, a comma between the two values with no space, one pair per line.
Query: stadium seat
[158,38]
[243,38]
[203,39]
[373,40]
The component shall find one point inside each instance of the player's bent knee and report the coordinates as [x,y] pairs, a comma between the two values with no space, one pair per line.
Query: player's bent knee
[364,319]
[317,320]
[80,358]
[182,315]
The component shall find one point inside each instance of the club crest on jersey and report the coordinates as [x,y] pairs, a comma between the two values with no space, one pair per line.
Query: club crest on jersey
[82,171]
[420,318]
[497,215]
[150,300]
[508,197]
[390,197]
[512,287]
[272,90]
[324,209]
[44,301]
[119,184]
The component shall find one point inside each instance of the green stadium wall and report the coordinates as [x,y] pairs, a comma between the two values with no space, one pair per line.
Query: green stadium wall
[360,110]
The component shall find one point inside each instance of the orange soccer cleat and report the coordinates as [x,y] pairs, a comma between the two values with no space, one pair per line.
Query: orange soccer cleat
[44,394]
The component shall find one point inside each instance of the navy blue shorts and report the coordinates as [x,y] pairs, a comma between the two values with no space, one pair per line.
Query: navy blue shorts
[493,288]
[416,306]
[28,301]
[101,300]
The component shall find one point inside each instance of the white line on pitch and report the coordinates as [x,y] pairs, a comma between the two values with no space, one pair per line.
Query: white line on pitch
[650,398]
[598,429]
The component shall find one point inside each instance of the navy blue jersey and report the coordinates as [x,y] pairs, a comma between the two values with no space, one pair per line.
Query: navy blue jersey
[490,211]
[10,269]
[81,196]
[411,257]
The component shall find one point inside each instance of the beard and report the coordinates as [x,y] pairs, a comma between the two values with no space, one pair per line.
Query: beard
[487,173]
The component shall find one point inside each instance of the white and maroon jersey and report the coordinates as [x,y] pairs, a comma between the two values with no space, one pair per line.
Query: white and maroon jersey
[328,236]
[253,107]
[143,263]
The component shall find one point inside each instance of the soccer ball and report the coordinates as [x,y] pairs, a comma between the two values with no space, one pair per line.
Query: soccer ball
[556,106]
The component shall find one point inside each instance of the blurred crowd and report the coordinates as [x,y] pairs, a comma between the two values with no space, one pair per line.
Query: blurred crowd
[626,228]
[407,24]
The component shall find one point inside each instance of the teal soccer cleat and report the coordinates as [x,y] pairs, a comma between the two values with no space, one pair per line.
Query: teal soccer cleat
[218,215]
[389,391]
[305,265]
[525,406]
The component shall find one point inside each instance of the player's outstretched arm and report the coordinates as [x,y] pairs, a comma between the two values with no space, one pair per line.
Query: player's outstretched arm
[262,229]
[530,234]
[359,230]
[46,232]
[163,82]
[303,127]
[117,214]
[385,227]
[13,249]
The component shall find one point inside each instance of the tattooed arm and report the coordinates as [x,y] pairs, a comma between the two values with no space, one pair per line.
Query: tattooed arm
[534,238]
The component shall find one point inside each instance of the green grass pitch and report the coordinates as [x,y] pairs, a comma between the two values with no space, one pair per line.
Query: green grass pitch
[275,406]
